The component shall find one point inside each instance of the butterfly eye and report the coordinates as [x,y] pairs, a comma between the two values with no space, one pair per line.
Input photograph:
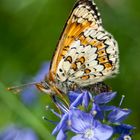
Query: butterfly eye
[44,87]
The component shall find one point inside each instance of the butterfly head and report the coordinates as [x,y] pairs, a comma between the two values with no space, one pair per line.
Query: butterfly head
[44,87]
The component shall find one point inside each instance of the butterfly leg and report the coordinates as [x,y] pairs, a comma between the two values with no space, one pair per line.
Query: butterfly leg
[99,88]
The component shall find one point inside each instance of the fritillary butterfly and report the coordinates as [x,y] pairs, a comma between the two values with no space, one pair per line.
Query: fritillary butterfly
[86,53]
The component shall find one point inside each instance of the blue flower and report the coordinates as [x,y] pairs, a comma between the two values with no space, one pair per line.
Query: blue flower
[91,118]
[18,133]
[104,97]
[118,115]
[62,125]
[124,130]
[61,135]
[86,128]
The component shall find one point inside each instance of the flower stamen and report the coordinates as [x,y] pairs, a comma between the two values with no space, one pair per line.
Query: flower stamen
[89,134]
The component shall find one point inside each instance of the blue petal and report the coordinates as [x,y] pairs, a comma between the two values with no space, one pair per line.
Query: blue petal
[62,123]
[104,97]
[107,108]
[80,121]
[80,137]
[78,101]
[123,129]
[102,132]
[118,115]
[61,135]
[78,98]
[72,96]
[77,137]
[96,111]
[86,99]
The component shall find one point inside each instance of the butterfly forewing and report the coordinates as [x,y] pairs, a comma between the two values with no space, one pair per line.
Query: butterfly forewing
[81,18]
[86,53]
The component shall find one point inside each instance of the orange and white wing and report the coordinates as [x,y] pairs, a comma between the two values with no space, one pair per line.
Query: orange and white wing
[86,53]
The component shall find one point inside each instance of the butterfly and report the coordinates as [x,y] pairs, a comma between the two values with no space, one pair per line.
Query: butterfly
[86,53]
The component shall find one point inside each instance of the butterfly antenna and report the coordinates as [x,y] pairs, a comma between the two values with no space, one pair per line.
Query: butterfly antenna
[17,89]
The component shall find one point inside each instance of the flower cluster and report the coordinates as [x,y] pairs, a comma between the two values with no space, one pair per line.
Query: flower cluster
[88,116]
[91,117]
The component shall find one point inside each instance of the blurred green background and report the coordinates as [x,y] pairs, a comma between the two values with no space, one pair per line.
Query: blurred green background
[29,31]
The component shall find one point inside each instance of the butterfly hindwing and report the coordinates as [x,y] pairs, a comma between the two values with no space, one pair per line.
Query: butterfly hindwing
[100,60]
[90,63]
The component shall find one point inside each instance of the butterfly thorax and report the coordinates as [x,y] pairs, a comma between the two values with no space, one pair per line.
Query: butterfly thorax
[56,85]
[57,88]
